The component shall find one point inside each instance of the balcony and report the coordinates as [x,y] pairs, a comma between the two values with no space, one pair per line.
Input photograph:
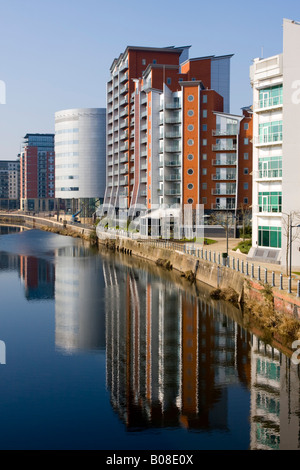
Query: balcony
[227,132]
[173,135]
[267,209]
[266,140]
[223,192]
[124,112]
[124,159]
[123,66]
[222,147]
[268,175]
[267,104]
[173,192]
[124,77]
[173,163]
[224,161]
[124,89]
[173,105]
[172,148]
[221,207]
[173,120]
[173,177]
[224,177]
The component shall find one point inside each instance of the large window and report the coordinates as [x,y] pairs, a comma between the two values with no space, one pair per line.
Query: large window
[271,96]
[270,167]
[270,201]
[270,132]
[269,236]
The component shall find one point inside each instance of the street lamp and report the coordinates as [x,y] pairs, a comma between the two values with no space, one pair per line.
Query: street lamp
[291,239]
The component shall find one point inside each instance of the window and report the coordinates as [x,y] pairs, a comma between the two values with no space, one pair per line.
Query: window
[271,96]
[190,171]
[204,185]
[191,98]
[154,61]
[204,171]
[169,81]
[190,142]
[180,80]
[246,141]
[204,200]
[190,112]
[204,156]
[245,186]
[143,61]
[246,171]
[270,132]
[190,186]
[269,236]
[204,99]
[204,141]
[245,200]
[190,127]
[193,79]
[190,156]
[204,127]
[246,126]
[204,113]
[270,201]
[190,200]
[246,156]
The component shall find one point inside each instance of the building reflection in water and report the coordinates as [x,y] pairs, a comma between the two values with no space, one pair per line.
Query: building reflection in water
[172,356]
[275,399]
[38,276]
[79,307]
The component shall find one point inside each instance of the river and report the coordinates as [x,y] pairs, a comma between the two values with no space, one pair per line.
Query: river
[103,351]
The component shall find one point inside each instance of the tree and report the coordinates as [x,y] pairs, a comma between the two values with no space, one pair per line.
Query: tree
[293,218]
[245,214]
[225,219]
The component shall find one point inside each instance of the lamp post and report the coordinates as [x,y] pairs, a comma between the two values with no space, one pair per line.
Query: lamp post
[291,239]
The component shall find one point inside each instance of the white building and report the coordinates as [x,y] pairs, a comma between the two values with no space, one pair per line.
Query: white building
[80,146]
[276,148]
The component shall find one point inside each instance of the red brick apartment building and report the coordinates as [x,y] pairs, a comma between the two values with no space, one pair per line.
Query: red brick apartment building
[170,136]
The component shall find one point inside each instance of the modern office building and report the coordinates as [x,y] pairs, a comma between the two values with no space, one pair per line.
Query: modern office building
[80,169]
[276,166]
[9,184]
[37,163]
[170,136]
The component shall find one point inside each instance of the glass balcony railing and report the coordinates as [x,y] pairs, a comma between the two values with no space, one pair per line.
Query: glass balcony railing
[269,102]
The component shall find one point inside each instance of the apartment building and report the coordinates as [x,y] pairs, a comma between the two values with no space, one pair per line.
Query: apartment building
[37,173]
[171,139]
[276,168]
[80,152]
[9,184]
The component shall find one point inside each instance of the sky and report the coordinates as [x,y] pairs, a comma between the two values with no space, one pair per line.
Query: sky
[56,54]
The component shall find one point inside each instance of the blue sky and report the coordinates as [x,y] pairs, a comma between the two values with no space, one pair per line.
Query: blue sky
[56,54]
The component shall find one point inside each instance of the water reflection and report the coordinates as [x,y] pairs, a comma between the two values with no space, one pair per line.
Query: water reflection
[173,357]
[79,312]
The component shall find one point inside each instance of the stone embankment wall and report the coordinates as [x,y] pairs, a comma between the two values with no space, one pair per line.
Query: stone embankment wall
[50,225]
[203,271]
[216,276]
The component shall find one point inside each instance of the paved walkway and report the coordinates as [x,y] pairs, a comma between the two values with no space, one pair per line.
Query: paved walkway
[220,247]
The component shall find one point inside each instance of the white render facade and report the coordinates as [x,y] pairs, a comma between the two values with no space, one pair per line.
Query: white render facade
[276,150]
[80,148]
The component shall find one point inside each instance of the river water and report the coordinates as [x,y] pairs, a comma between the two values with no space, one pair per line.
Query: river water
[101,351]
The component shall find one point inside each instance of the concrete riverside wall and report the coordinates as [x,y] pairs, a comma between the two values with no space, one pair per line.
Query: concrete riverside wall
[39,222]
[205,271]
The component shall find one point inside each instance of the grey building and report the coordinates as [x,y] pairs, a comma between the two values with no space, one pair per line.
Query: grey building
[9,184]
[80,169]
